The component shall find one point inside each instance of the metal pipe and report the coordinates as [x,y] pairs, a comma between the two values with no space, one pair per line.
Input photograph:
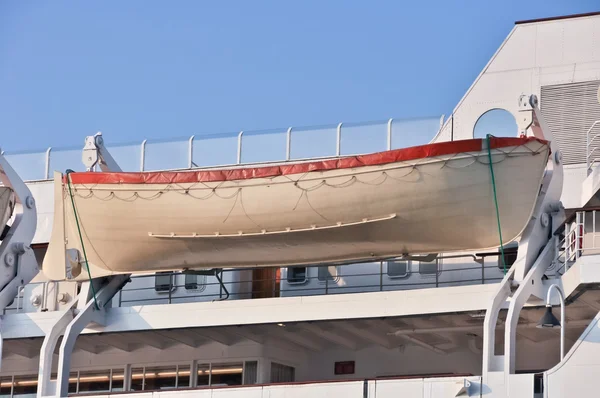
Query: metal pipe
[191,152]
[338,142]
[47,171]
[239,149]
[288,144]
[563,320]
[389,134]
[143,155]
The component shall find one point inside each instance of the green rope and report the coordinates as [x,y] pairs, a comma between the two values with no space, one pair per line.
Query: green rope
[87,266]
[489,151]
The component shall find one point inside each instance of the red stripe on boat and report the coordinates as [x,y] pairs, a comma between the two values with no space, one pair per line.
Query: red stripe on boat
[380,158]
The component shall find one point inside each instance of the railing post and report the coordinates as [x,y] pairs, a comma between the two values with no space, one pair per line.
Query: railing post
[483,270]
[288,144]
[191,152]
[389,134]
[593,229]
[587,151]
[47,171]
[143,155]
[239,149]
[338,141]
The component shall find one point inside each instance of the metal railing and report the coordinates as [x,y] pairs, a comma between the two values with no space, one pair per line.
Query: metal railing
[244,147]
[581,238]
[352,278]
[592,146]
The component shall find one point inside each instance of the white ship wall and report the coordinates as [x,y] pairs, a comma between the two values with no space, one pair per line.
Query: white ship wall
[533,56]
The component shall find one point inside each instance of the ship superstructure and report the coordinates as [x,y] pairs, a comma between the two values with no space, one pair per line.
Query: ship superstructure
[444,315]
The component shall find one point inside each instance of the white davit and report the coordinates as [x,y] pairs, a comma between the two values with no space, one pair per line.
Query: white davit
[7,206]
[427,199]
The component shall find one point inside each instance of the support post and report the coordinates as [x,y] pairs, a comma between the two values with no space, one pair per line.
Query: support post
[70,325]
[18,265]
[95,153]
[537,250]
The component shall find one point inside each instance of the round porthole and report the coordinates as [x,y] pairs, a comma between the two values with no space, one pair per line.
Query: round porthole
[497,122]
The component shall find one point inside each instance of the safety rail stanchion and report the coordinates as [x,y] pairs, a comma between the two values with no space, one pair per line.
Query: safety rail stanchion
[590,161]
[191,152]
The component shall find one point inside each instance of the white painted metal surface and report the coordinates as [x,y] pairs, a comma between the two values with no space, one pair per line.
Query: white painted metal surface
[340,215]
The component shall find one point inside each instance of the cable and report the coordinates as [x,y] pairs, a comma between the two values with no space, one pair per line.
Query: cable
[87,266]
[489,151]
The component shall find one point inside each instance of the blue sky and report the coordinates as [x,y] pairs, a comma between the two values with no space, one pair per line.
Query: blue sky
[159,69]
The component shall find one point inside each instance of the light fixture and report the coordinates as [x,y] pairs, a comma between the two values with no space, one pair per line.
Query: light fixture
[548,320]
[281,325]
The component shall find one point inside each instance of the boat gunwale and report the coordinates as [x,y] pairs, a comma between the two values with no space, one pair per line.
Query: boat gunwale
[348,162]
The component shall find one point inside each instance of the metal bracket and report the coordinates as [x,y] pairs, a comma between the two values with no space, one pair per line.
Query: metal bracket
[537,247]
[95,153]
[70,325]
[18,262]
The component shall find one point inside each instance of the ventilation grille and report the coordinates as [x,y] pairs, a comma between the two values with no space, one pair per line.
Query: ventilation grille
[570,110]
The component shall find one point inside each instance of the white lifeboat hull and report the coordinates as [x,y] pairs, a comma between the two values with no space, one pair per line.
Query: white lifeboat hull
[429,199]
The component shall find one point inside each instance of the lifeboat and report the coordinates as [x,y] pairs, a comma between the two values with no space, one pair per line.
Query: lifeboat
[427,199]
[7,205]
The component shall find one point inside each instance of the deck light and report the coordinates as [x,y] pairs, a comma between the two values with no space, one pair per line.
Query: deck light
[550,321]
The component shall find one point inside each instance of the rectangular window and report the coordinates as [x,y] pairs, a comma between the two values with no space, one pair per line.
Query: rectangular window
[6,386]
[226,374]
[25,385]
[183,376]
[160,378]
[117,382]
[397,269]
[163,281]
[328,273]
[137,379]
[195,282]
[296,274]
[250,372]
[203,375]
[73,382]
[282,373]
[191,282]
[94,381]
[430,268]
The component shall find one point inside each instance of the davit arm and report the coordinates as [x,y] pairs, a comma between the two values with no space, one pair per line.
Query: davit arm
[18,265]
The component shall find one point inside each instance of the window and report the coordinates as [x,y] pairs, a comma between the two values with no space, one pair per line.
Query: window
[282,373]
[431,268]
[25,386]
[226,374]
[250,372]
[97,381]
[195,282]
[117,382]
[6,386]
[160,377]
[163,281]
[328,273]
[397,269]
[137,379]
[296,274]
[203,375]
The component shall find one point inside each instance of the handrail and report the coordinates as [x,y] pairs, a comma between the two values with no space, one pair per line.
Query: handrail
[190,144]
[589,162]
